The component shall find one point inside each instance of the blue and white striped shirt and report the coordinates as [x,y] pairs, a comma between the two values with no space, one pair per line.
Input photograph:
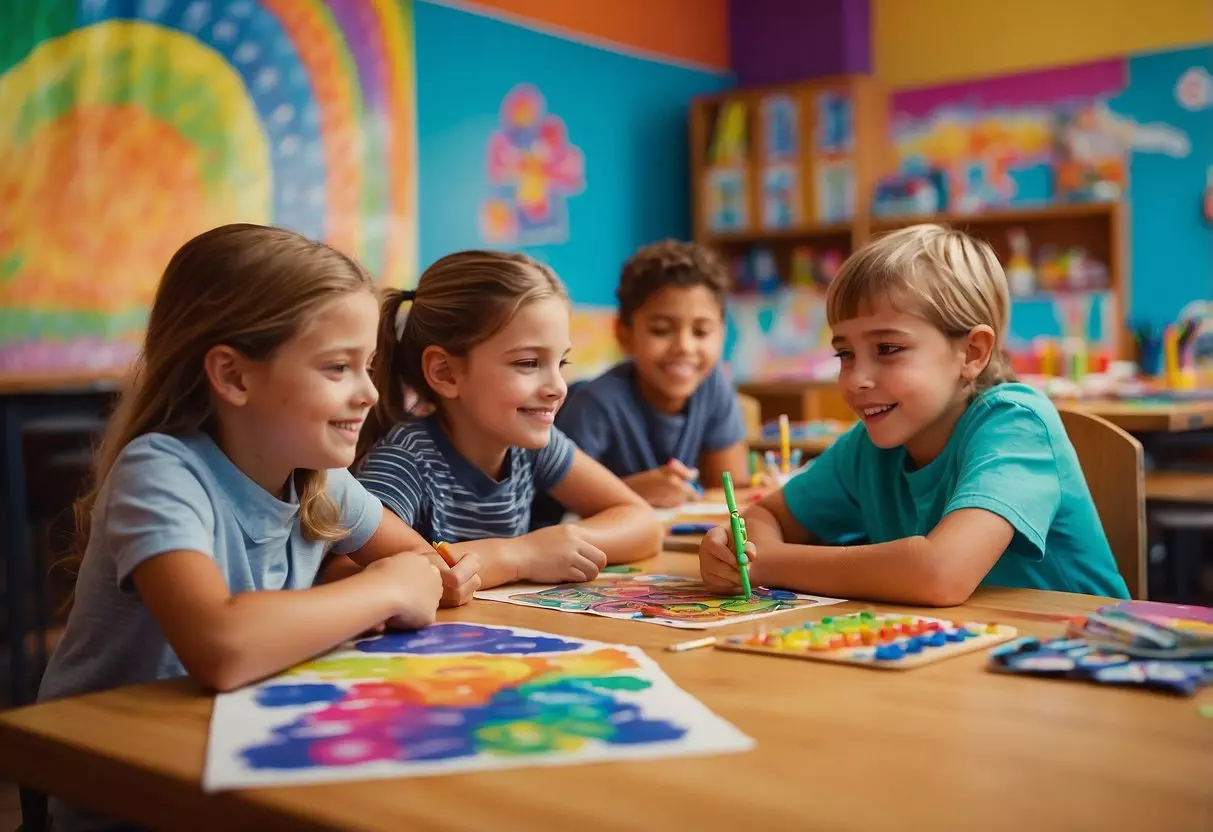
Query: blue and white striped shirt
[420,476]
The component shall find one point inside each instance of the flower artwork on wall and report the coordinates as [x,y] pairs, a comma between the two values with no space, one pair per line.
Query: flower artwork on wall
[533,169]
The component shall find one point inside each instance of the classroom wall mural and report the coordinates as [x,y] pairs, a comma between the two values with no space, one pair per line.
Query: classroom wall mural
[622,120]
[533,169]
[128,126]
[1135,127]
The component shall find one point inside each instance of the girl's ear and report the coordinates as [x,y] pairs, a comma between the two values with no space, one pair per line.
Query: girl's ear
[442,371]
[979,349]
[228,373]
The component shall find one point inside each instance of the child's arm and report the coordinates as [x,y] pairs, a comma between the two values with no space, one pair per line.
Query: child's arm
[614,518]
[941,569]
[617,526]
[459,581]
[226,641]
[734,459]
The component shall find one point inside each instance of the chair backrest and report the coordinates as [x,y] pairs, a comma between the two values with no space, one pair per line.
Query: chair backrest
[751,414]
[1112,462]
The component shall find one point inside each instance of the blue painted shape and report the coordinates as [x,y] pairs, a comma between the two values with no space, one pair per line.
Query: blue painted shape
[628,116]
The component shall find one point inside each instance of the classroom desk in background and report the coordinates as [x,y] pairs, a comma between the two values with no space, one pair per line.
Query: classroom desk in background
[810,446]
[25,402]
[1147,416]
[945,746]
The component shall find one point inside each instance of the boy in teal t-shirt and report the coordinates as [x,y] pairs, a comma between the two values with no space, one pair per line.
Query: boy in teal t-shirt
[956,475]
[1009,455]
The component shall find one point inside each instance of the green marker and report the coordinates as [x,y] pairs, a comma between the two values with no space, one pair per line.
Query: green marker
[739,537]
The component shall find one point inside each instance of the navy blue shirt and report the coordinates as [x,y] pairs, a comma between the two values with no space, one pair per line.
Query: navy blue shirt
[418,474]
[611,421]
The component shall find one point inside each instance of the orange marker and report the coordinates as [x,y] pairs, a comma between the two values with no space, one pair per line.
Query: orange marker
[444,551]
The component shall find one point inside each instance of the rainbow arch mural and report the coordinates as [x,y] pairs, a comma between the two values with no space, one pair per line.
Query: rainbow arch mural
[128,126]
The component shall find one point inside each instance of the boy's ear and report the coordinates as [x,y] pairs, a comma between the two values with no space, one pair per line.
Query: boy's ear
[979,349]
[624,335]
[442,371]
[229,374]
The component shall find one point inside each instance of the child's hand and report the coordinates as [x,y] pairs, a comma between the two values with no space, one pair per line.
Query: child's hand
[718,561]
[415,584]
[461,581]
[559,554]
[666,487]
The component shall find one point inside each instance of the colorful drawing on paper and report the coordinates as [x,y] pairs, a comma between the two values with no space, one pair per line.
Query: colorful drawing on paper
[456,697]
[128,127]
[533,169]
[658,599]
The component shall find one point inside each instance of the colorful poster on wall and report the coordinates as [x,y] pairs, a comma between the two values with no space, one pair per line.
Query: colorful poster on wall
[129,126]
[533,169]
[783,335]
[595,349]
[1029,138]
[455,698]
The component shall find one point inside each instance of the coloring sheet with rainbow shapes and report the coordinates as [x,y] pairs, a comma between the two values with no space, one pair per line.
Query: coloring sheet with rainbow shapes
[452,698]
[658,599]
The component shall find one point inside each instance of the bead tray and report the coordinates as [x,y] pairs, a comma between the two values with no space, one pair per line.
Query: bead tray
[889,641]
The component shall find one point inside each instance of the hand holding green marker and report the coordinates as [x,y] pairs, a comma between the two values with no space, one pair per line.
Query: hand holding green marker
[739,538]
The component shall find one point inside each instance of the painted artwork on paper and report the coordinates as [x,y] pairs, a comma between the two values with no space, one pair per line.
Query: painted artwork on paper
[533,169]
[129,126]
[451,698]
[673,601]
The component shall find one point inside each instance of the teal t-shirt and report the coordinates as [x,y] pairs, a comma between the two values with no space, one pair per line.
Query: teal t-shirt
[1008,454]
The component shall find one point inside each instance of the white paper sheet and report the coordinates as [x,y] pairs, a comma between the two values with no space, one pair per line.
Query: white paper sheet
[657,599]
[452,698]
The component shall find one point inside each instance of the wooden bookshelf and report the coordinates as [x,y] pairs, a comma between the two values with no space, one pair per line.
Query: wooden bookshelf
[1097,228]
[857,157]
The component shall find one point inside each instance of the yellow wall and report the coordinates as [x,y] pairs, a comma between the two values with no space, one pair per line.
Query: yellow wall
[925,42]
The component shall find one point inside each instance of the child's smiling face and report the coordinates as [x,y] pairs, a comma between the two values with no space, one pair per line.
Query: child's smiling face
[675,339]
[904,379]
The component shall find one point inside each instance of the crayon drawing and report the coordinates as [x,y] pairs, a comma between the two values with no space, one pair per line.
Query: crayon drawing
[658,599]
[455,697]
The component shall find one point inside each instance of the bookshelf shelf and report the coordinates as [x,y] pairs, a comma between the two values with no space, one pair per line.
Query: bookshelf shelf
[804,232]
[1024,215]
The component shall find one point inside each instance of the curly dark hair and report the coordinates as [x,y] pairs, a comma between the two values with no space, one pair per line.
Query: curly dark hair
[669,263]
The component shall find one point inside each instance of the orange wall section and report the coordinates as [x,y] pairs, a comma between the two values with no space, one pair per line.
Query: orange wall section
[684,31]
[927,42]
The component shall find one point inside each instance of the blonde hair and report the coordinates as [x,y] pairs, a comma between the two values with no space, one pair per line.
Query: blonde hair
[461,301]
[951,279]
[249,287]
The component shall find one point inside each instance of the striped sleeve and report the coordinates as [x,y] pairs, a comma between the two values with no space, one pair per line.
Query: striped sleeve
[391,474]
[553,461]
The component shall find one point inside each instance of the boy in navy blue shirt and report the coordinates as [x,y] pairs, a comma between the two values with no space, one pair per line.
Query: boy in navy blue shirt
[668,413]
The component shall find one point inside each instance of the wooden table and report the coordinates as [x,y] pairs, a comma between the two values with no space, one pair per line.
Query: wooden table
[1148,417]
[949,746]
[1180,486]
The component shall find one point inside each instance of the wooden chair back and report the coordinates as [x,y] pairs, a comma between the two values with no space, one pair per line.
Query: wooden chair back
[751,413]
[1112,462]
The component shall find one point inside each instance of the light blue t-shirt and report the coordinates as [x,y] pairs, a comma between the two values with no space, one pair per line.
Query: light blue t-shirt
[1008,454]
[167,493]
[423,478]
